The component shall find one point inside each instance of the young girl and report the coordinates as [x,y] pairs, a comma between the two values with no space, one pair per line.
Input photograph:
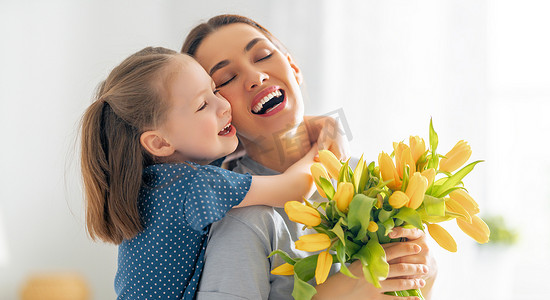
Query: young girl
[147,140]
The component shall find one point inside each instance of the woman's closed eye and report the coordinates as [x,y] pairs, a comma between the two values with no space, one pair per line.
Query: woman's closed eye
[265,57]
[224,83]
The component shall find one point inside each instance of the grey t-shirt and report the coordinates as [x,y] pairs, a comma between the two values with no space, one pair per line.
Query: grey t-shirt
[236,264]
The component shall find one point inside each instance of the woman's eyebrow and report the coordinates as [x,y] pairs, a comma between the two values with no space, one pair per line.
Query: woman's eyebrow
[218,66]
[252,43]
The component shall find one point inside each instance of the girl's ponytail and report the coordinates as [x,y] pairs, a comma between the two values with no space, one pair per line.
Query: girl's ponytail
[128,103]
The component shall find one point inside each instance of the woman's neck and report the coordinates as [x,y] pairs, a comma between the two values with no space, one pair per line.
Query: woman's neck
[278,152]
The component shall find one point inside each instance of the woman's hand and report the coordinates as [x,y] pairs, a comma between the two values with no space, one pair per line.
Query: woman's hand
[411,267]
[411,258]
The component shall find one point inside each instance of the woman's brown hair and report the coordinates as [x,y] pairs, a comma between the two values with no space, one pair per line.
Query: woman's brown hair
[201,31]
[127,103]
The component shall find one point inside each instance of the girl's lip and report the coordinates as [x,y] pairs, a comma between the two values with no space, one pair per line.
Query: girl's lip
[262,94]
[232,132]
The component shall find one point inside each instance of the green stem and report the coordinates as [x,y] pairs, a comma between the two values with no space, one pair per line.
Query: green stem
[407,293]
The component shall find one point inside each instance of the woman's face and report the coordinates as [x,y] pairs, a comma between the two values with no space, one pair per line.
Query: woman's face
[260,82]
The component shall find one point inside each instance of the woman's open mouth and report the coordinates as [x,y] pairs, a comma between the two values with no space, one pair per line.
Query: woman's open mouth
[269,102]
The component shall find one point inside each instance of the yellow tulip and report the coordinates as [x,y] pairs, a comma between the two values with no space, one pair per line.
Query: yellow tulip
[416,189]
[373,227]
[477,230]
[398,199]
[317,171]
[388,171]
[430,175]
[418,147]
[442,237]
[284,269]
[324,262]
[455,207]
[298,212]
[313,242]
[331,163]
[343,196]
[455,158]
[465,200]
[403,158]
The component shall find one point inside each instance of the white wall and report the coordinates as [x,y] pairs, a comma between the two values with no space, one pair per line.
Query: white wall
[479,68]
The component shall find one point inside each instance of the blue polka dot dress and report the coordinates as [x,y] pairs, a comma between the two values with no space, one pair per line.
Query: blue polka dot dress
[177,204]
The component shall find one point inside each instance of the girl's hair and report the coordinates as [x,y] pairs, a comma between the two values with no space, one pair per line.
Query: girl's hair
[128,103]
[201,31]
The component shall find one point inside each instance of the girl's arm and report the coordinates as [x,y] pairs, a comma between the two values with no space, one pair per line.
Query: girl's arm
[294,184]
[328,133]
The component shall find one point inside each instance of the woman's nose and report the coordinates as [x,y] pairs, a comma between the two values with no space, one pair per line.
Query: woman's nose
[255,78]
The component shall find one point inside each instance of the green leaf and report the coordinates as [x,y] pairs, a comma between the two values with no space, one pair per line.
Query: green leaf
[388,225]
[433,161]
[284,256]
[302,290]
[359,214]
[337,229]
[383,214]
[454,179]
[410,216]
[434,140]
[305,268]
[373,258]
[345,173]
[434,206]
[327,187]
[357,173]
[341,257]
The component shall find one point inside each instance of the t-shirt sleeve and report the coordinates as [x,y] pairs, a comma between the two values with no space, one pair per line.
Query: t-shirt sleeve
[211,193]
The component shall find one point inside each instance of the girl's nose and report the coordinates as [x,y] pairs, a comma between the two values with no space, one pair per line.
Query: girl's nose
[255,78]
[223,107]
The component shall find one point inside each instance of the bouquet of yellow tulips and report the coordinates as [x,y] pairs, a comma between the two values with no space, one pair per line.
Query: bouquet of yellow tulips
[416,187]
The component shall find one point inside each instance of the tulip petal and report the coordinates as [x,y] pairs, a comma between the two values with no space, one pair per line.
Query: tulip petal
[442,237]
[324,262]
[284,269]
[478,230]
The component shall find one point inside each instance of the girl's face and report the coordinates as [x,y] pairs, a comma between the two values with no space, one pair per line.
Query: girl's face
[198,122]
[260,82]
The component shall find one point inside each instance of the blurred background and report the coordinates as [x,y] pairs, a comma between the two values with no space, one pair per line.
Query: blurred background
[479,68]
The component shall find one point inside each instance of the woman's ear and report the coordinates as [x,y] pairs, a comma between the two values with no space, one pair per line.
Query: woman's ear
[295,68]
[155,144]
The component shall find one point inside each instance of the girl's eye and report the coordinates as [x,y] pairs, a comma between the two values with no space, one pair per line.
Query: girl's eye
[203,106]
[265,57]
[216,91]
[226,82]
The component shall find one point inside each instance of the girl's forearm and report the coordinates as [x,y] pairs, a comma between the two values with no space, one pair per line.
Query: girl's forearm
[276,190]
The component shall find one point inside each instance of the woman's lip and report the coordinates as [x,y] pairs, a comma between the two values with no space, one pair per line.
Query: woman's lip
[263,93]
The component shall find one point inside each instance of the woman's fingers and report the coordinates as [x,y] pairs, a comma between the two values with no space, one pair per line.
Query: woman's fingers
[389,285]
[408,233]
[400,249]
[405,270]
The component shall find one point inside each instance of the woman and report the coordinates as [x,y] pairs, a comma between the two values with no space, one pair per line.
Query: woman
[248,64]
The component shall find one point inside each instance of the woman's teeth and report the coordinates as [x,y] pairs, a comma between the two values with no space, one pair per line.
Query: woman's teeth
[258,107]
